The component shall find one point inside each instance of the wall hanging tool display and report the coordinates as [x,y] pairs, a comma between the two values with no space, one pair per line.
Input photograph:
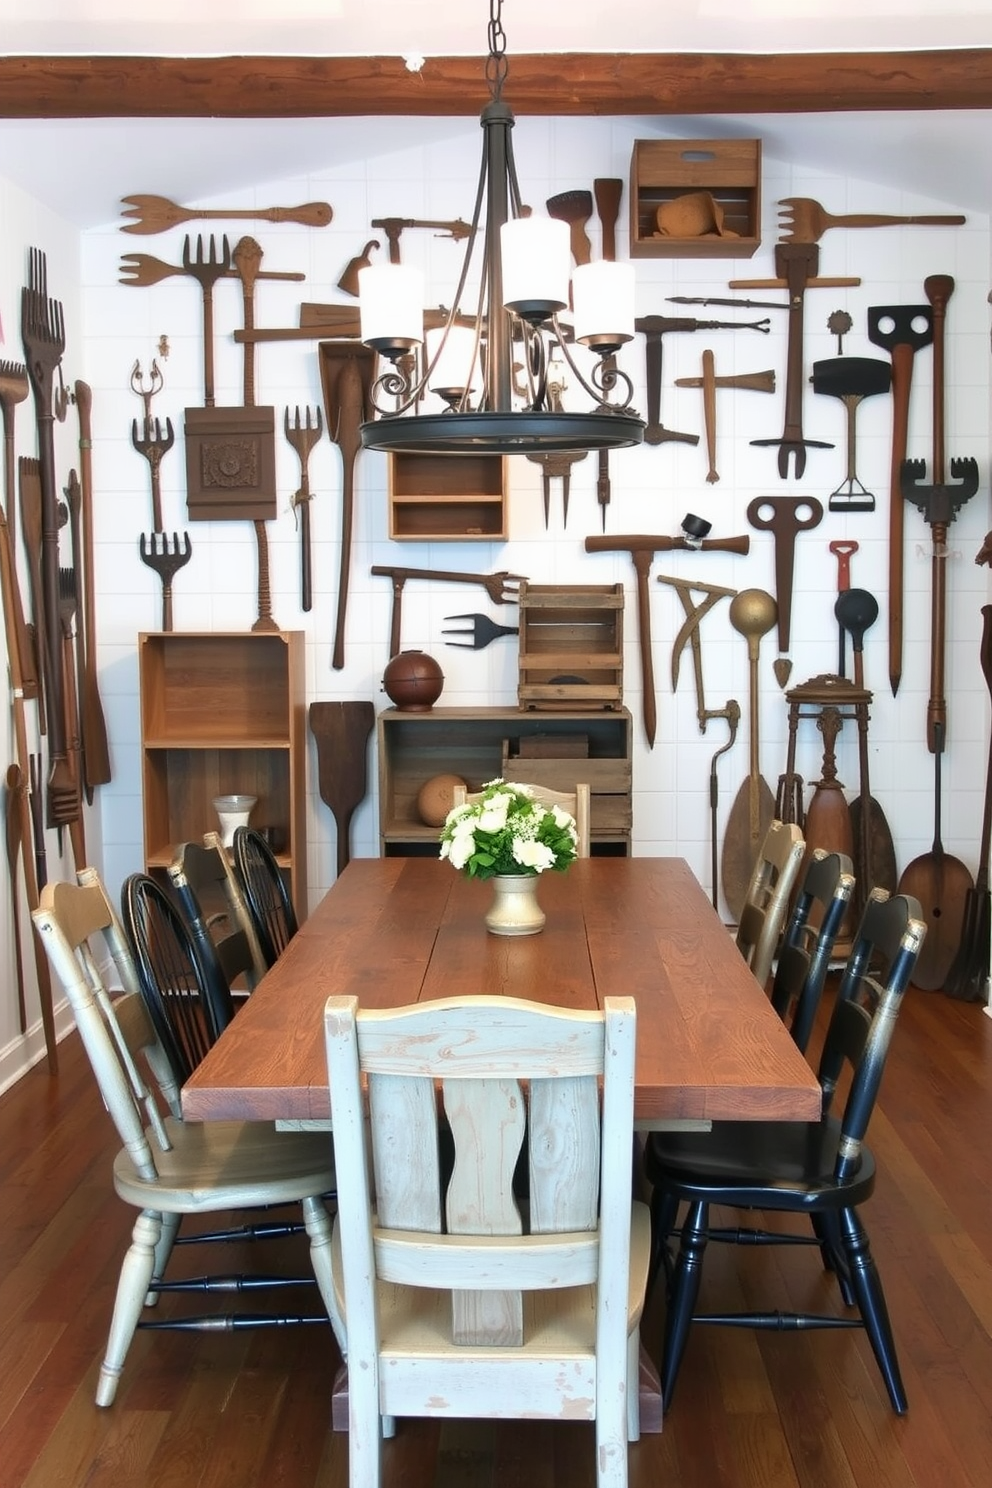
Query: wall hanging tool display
[346,369]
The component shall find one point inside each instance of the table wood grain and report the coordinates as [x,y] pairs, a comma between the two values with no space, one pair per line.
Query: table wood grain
[397,930]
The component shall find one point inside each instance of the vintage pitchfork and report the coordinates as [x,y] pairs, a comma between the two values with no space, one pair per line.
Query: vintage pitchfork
[43,335]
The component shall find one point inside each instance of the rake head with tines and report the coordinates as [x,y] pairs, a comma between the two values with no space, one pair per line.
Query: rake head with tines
[166,558]
[43,333]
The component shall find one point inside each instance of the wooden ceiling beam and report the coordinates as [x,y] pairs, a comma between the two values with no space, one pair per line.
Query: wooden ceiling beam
[576,83]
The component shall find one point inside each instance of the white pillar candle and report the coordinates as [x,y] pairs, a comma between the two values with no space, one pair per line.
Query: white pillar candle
[603,301]
[536,253]
[391,304]
[457,363]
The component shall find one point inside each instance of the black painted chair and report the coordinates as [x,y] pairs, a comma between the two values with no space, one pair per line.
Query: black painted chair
[182,981]
[821,1169]
[808,942]
[214,907]
[265,892]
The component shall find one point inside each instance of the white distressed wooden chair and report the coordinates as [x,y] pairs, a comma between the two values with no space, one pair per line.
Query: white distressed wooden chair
[460,1300]
[576,802]
[167,1168]
[767,901]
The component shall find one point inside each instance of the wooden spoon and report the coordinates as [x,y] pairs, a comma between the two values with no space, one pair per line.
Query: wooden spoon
[753,612]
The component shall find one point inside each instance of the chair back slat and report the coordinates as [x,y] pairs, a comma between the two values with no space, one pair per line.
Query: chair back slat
[68,918]
[870,995]
[807,945]
[766,902]
[214,907]
[264,892]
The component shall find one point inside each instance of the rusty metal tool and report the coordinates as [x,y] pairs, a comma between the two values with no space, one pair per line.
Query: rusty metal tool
[348,283]
[642,548]
[843,551]
[752,614]
[392,227]
[206,271]
[756,382]
[481,630]
[838,324]
[689,633]
[728,304]
[156,214]
[797,264]
[303,437]
[851,379]
[653,328]
[43,335]
[901,330]
[557,466]
[780,515]
[166,559]
[153,443]
[731,711]
[502,588]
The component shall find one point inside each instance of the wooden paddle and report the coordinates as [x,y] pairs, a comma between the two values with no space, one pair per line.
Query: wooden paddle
[753,613]
[968,977]
[341,731]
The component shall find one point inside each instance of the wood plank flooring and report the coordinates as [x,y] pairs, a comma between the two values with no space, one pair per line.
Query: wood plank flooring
[243,1410]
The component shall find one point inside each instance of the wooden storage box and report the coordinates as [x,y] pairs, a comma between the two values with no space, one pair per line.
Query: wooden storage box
[454,498]
[571,646]
[663,170]
[608,779]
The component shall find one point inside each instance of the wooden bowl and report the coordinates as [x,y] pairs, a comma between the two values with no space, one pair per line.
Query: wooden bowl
[413,681]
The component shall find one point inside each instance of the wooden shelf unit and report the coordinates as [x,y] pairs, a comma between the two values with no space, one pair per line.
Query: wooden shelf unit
[224,713]
[481,743]
[447,498]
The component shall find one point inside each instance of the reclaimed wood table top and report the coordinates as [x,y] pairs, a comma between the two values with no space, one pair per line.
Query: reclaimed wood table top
[401,930]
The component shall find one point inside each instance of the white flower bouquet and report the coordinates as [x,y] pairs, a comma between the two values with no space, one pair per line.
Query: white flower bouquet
[507,831]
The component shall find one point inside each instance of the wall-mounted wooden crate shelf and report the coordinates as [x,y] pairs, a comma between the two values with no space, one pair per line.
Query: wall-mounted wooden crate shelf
[571,646]
[479,743]
[454,498]
[662,170]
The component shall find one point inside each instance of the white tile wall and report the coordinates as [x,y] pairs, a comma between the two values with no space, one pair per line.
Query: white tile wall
[113,326]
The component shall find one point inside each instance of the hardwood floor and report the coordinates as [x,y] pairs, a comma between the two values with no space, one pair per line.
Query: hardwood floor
[752,1410]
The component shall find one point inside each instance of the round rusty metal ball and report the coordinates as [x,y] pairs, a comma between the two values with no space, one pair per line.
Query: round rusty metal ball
[436,798]
[413,681]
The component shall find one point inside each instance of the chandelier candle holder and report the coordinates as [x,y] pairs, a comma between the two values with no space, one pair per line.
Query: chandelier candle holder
[524,285]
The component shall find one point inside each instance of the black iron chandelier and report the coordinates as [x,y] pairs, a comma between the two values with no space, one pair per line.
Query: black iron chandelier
[470,362]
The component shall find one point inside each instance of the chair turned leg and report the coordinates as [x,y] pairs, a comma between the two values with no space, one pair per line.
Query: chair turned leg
[684,1292]
[318,1226]
[132,1288]
[163,1250]
[827,1231]
[870,1298]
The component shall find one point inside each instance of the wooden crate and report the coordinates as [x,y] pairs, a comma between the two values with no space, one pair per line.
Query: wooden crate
[662,170]
[571,646]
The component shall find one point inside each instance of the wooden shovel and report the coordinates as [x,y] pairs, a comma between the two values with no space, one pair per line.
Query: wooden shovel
[345,373]
[341,731]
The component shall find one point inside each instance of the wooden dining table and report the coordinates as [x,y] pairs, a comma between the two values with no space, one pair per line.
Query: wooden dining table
[393,931]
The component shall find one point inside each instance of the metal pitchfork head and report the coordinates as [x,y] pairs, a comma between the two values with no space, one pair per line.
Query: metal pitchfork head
[166,560]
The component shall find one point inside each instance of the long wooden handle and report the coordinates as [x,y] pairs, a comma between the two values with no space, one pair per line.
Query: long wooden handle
[642,565]
[938,289]
[817,283]
[880,219]
[96,747]
[709,413]
[902,377]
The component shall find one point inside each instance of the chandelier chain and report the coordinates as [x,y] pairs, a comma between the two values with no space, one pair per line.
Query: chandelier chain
[496,63]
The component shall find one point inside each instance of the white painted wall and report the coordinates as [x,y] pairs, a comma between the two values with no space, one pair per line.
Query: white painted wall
[652,491]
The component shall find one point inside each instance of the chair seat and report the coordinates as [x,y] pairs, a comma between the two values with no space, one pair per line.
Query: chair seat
[217,1165]
[783,1165]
